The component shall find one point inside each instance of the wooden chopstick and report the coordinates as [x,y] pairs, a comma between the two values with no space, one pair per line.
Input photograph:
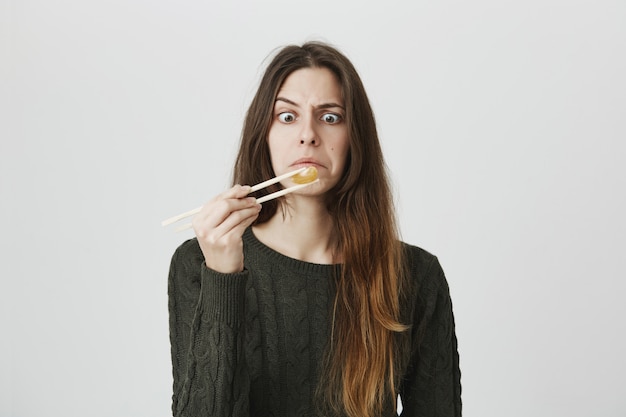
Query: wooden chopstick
[180,216]
[284,191]
[254,188]
[261,200]
[274,180]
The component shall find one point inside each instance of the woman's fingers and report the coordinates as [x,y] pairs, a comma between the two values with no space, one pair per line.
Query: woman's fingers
[237,218]
[220,226]
[237,191]
[216,212]
[214,232]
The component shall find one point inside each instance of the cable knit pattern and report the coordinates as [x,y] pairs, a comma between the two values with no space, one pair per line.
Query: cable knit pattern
[252,344]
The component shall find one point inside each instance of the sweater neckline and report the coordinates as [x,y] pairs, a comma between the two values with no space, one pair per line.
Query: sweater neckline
[272,255]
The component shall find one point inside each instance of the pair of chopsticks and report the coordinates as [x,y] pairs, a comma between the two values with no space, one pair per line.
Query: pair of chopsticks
[257,187]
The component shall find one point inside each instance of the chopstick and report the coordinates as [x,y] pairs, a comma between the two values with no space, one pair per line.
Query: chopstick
[259,200]
[274,180]
[284,191]
[257,187]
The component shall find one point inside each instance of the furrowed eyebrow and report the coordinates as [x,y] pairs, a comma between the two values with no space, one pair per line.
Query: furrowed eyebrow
[321,106]
[286,100]
[330,106]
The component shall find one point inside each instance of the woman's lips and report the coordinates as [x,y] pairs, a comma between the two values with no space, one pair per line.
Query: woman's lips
[306,162]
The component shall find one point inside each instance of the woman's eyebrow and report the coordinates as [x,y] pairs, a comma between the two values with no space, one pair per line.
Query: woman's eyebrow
[321,106]
[286,100]
[330,106]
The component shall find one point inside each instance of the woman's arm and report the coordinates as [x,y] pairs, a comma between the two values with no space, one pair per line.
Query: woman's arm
[205,307]
[206,292]
[433,385]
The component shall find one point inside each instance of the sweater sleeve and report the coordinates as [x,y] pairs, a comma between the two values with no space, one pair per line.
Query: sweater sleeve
[205,308]
[432,386]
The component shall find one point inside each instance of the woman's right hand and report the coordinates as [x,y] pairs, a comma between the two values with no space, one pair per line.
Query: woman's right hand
[220,225]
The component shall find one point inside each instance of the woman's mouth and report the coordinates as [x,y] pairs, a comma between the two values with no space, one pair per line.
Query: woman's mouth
[303,162]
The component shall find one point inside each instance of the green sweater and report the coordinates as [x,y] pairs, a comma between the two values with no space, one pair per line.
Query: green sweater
[251,344]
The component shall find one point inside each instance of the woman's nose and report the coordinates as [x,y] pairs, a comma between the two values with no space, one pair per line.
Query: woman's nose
[308,134]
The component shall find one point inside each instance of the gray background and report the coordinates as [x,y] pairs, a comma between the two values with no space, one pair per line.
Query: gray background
[503,128]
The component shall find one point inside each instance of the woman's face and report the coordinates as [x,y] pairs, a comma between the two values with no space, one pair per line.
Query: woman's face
[308,127]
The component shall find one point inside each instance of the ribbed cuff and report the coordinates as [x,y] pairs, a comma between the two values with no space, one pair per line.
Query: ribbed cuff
[223,295]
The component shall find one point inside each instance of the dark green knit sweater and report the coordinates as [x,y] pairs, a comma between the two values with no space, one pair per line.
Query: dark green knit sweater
[251,344]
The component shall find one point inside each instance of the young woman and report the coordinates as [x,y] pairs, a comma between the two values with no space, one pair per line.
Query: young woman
[309,305]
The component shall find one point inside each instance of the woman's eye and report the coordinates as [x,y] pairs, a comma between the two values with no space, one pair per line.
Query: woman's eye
[287,117]
[331,118]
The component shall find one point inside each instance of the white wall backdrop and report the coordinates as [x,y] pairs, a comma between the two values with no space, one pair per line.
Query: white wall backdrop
[503,124]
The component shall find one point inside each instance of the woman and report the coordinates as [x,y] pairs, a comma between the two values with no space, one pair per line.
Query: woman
[310,304]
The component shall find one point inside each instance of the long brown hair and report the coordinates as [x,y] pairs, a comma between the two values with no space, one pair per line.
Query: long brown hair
[360,374]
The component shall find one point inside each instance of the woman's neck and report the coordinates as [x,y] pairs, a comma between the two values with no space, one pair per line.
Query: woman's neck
[301,229]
